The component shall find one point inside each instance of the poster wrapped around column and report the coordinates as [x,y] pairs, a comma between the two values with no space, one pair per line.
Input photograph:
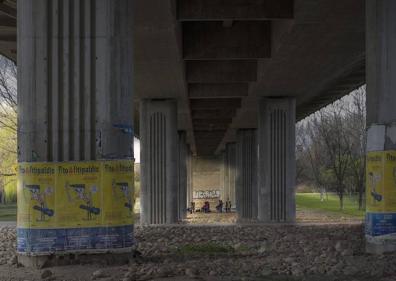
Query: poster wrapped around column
[75,207]
[381,196]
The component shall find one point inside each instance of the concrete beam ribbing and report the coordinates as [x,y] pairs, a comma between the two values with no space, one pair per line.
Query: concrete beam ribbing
[159,157]
[276,166]
[235,9]
[246,176]
[74,80]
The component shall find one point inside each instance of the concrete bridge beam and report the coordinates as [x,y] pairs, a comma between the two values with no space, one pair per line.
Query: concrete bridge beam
[159,161]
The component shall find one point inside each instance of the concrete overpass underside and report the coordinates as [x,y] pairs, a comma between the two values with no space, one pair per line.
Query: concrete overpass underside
[217,60]
[200,78]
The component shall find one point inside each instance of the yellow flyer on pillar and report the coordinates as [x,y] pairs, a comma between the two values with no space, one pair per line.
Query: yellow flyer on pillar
[36,195]
[117,184]
[79,194]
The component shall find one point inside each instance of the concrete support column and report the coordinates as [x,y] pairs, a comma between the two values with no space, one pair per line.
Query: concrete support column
[381,124]
[276,165]
[189,178]
[159,158]
[182,182]
[75,99]
[229,173]
[75,107]
[223,169]
[246,176]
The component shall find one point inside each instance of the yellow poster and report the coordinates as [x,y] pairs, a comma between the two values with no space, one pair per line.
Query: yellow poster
[117,184]
[79,194]
[381,181]
[36,195]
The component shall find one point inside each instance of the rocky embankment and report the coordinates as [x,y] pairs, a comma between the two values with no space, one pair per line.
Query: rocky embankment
[234,252]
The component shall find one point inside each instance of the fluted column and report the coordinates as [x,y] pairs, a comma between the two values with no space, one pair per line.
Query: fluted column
[276,168]
[75,99]
[182,176]
[159,161]
[246,175]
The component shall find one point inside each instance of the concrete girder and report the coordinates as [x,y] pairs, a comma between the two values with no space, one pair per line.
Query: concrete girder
[7,10]
[210,40]
[199,91]
[191,10]
[213,113]
[234,71]
[8,22]
[215,103]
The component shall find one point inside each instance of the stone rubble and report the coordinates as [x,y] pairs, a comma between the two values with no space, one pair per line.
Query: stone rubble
[252,251]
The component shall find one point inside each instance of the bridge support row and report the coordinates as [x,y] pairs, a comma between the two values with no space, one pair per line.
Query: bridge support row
[266,164]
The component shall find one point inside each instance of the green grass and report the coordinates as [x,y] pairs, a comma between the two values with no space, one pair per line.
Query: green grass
[312,201]
[8,212]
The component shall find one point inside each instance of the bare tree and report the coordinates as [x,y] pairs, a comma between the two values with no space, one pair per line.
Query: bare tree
[8,94]
[357,130]
[8,124]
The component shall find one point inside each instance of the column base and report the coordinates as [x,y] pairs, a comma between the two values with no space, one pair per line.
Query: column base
[39,262]
[387,246]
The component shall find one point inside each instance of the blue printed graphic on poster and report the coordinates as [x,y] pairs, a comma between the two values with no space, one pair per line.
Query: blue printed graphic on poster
[378,224]
[76,239]
[75,207]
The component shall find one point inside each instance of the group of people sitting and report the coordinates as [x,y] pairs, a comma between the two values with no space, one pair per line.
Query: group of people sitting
[206,207]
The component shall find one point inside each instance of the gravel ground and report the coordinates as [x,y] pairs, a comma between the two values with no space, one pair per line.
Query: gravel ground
[227,252]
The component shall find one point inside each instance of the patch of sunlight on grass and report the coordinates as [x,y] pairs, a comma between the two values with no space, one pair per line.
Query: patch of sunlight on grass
[331,203]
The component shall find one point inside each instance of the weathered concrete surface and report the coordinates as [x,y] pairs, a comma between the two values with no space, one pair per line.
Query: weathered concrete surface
[246,174]
[182,175]
[75,91]
[159,161]
[315,52]
[381,98]
[207,183]
[276,160]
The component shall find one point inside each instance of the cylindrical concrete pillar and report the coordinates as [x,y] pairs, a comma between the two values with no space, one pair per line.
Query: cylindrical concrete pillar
[75,105]
[276,165]
[159,161]
[182,172]
[246,174]
[75,98]
[381,124]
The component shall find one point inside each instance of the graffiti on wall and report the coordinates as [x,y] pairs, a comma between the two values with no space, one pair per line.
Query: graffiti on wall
[206,194]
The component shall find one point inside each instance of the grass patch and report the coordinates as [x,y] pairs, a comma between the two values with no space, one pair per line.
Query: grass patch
[331,204]
[8,212]
[207,248]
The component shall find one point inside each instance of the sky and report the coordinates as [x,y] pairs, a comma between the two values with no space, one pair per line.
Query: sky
[136,149]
